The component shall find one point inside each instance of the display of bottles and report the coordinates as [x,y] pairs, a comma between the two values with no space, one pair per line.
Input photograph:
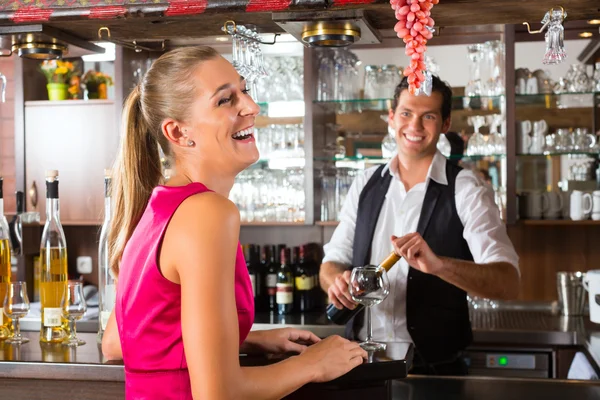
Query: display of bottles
[304,280]
[5,271]
[106,280]
[341,317]
[252,256]
[16,225]
[272,268]
[285,284]
[53,267]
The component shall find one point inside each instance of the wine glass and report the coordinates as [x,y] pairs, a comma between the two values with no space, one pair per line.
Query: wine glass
[16,305]
[73,307]
[369,286]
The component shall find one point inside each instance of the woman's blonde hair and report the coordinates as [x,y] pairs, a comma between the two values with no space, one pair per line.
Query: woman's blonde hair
[166,91]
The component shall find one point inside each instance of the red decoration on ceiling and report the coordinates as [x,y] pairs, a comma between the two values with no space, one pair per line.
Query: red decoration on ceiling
[31,14]
[107,12]
[267,5]
[346,2]
[185,7]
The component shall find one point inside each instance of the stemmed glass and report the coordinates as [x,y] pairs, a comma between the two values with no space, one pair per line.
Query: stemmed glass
[16,305]
[73,307]
[369,285]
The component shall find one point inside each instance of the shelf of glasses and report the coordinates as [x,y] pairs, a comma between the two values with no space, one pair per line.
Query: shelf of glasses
[566,153]
[551,100]
[382,160]
[557,222]
[476,103]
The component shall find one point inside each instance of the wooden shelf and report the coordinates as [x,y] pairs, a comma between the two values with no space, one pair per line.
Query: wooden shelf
[264,121]
[327,223]
[557,222]
[273,223]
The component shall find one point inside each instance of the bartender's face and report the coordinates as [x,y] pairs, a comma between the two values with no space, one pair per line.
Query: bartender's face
[418,123]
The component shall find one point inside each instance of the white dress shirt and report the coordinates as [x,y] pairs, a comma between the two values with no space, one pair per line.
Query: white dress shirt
[484,232]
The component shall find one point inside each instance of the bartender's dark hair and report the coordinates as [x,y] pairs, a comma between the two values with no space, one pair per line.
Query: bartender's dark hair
[166,91]
[438,86]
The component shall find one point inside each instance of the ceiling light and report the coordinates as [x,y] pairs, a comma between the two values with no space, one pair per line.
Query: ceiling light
[586,34]
[40,51]
[330,34]
[594,22]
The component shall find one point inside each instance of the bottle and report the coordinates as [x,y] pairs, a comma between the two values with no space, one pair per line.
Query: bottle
[271,278]
[285,284]
[5,266]
[341,317]
[16,225]
[53,267]
[259,280]
[304,281]
[106,279]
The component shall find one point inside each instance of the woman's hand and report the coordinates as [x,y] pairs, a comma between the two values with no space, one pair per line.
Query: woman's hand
[279,341]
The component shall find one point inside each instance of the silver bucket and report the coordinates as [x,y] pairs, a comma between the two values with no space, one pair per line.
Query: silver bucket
[571,293]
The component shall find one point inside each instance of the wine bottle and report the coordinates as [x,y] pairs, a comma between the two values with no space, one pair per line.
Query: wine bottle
[106,279]
[271,278]
[285,284]
[304,281]
[341,317]
[53,267]
[5,270]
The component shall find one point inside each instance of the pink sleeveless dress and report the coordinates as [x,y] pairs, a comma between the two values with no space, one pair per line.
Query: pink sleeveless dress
[148,306]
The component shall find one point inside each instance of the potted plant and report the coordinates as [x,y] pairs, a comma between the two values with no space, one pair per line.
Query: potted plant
[58,75]
[96,84]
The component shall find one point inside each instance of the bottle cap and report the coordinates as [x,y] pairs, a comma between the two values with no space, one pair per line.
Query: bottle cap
[107,172]
[51,175]
[389,261]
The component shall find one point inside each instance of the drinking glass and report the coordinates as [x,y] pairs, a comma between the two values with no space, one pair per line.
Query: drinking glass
[16,305]
[369,286]
[73,307]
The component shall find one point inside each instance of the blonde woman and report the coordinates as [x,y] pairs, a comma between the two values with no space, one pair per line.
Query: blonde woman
[184,302]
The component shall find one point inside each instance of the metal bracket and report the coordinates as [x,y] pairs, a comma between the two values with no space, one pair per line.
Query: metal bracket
[230,28]
[550,13]
[133,45]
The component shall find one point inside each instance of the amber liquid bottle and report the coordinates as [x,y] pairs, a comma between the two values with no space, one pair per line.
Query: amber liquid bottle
[341,317]
[53,267]
[5,272]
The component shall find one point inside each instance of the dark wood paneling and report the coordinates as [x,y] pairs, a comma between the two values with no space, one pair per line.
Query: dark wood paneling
[545,250]
[83,241]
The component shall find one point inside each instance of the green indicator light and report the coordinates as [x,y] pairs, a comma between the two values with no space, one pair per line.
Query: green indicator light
[502,361]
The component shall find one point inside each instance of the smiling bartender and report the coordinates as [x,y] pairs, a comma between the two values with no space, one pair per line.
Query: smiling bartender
[444,223]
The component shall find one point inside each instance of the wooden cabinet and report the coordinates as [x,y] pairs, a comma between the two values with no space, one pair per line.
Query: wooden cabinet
[79,139]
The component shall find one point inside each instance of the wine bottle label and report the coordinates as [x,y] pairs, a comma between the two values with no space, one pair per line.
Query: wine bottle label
[285,293]
[104,315]
[304,282]
[1,318]
[271,280]
[253,282]
[52,316]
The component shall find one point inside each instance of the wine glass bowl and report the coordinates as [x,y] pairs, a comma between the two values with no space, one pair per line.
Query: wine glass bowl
[73,308]
[369,286]
[16,306]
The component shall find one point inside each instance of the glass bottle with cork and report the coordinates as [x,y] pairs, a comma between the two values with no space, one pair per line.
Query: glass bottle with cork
[53,267]
[106,281]
[5,266]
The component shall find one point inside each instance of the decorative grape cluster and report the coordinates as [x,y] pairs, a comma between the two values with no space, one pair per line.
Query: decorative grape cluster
[415,27]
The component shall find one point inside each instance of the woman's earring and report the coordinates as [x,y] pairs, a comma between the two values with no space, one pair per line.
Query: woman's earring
[191,143]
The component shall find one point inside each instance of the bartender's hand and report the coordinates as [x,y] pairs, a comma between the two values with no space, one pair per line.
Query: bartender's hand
[284,340]
[339,293]
[417,253]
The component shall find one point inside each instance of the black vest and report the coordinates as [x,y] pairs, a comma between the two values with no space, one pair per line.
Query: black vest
[437,312]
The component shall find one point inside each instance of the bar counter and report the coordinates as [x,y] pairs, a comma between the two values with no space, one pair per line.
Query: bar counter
[36,371]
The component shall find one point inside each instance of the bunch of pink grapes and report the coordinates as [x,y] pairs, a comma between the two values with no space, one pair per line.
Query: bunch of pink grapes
[414,19]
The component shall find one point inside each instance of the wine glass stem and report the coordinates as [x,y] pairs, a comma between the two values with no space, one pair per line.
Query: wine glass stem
[73,335]
[17,329]
[369,326]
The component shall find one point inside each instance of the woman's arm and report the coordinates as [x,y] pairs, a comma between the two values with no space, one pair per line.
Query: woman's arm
[200,246]
[111,343]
